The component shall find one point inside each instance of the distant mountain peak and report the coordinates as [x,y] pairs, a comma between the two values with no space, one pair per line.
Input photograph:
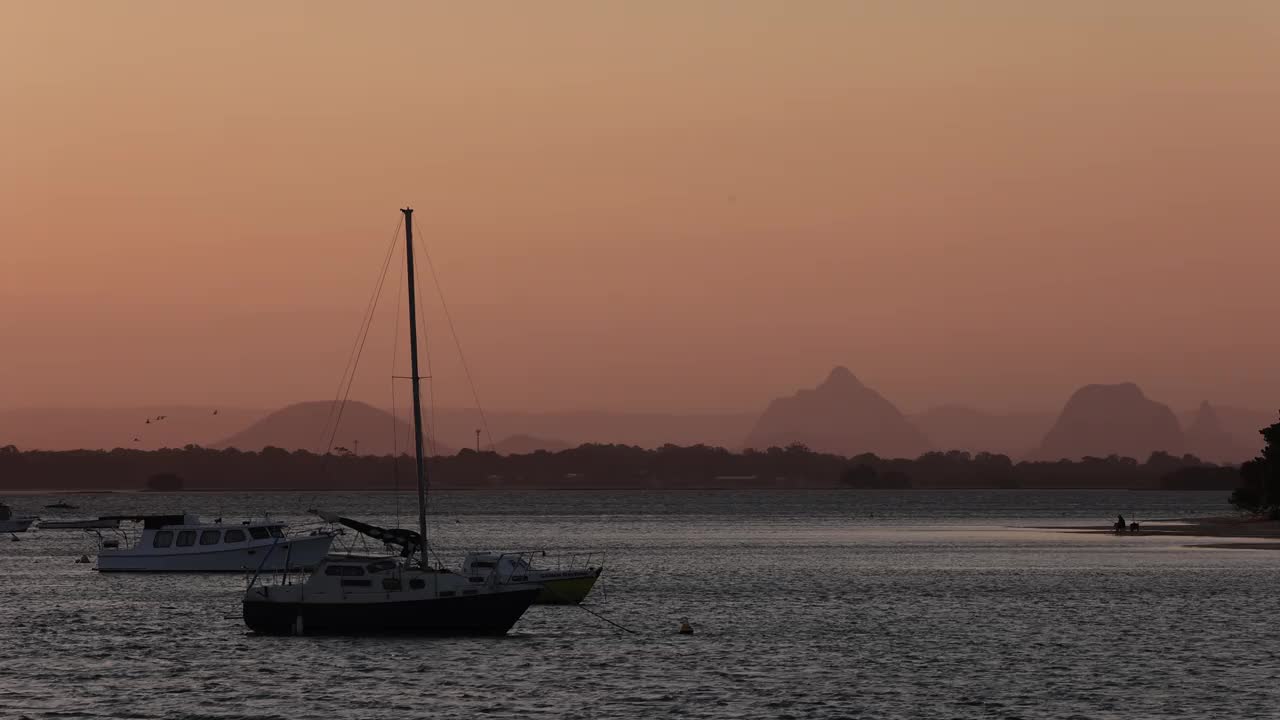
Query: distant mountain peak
[840,415]
[1115,391]
[309,425]
[1112,419]
[839,378]
[1208,438]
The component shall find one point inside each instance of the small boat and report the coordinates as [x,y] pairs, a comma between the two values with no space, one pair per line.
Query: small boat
[390,595]
[182,543]
[61,505]
[10,523]
[566,584]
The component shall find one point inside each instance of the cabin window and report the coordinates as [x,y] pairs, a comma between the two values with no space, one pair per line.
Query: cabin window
[234,536]
[381,566]
[483,564]
[186,538]
[210,537]
[276,532]
[258,533]
[357,583]
[417,583]
[164,538]
[345,570]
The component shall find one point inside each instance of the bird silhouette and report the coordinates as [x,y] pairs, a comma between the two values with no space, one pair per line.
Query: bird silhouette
[148,421]
[215,412]
[136,440]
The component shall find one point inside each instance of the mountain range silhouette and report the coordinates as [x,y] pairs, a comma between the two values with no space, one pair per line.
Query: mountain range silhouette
[840,415]
[1208,439]
[1103,420]
[316,426]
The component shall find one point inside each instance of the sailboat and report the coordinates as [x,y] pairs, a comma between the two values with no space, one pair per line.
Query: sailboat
[391,595]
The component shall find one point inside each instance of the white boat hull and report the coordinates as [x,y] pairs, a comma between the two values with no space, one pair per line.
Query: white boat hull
[296,552]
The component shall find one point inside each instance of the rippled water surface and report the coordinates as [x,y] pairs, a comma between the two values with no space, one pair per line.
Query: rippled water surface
[806,605]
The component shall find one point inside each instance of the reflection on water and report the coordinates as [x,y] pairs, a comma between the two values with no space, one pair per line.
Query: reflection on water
[806,605]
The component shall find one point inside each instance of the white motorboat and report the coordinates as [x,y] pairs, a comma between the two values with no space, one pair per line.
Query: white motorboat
[10,523]
[182,543]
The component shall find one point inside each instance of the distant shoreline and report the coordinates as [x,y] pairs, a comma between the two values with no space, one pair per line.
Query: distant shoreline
[593,467]
[595,488]
[1228,527]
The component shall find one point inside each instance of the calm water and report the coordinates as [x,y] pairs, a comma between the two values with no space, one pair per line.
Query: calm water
[806,605]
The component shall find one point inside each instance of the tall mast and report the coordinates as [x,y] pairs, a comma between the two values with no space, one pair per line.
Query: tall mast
[417,396]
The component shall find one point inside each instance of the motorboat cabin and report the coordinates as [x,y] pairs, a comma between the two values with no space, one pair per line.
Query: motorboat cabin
[183,543]
[567,583]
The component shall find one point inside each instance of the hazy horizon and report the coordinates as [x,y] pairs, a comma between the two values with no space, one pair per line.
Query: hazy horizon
[646,207]
[403,409]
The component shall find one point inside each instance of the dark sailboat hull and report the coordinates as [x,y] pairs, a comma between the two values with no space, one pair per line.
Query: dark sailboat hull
[485,614]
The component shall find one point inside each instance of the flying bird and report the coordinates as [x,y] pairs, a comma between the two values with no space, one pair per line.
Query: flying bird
[136,440]
[215,412]
[148,421]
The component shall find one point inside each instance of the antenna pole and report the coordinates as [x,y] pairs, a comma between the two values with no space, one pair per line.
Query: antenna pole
[417,379]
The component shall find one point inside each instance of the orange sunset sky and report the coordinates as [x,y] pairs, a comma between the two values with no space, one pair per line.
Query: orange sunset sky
[642,205]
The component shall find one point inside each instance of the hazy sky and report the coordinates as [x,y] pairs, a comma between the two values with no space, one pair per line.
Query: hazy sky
[643,205]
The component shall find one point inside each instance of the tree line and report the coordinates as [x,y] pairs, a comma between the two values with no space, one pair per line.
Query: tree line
[596,466]
[1259,490]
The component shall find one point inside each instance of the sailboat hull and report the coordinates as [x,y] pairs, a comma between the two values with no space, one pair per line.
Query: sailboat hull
[483,614]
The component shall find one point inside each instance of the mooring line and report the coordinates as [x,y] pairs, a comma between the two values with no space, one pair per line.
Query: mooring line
[580,606]
[617,625]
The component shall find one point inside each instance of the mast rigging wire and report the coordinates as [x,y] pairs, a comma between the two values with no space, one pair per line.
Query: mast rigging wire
[444,305]
[432,445]
[360,351]
[353,359]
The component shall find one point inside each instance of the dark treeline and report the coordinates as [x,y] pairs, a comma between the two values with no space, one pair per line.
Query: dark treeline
[1259,491]
[588,466]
